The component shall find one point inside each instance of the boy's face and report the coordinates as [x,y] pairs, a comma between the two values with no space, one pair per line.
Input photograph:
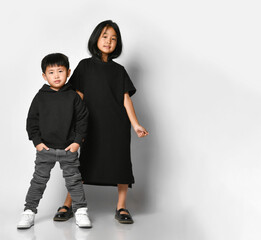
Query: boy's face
[56,76]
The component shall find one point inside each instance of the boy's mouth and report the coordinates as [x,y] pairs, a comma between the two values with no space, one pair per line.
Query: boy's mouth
[57,81]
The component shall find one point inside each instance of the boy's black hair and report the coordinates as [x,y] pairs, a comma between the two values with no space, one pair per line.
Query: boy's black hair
[92,44]
[55,59]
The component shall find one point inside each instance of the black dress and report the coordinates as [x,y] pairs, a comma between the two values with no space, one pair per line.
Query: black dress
[105,154]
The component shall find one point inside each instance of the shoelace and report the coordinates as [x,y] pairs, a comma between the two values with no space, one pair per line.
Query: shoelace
[82,215]
[27,216]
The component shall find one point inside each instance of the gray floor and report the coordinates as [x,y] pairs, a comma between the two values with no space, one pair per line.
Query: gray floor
[149,222]
[104,227]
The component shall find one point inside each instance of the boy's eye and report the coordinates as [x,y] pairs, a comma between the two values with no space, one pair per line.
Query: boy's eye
[50,72]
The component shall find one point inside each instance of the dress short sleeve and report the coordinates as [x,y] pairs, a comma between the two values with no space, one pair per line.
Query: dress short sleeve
[128,85]
[76,78]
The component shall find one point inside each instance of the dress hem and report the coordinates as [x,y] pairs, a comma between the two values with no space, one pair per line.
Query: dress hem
[107,184]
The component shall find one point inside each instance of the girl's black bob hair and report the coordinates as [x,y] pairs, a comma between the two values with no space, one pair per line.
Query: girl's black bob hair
[55,59]
[92,44]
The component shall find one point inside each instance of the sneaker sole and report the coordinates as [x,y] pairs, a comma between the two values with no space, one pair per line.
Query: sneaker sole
[84,226]
[24,227]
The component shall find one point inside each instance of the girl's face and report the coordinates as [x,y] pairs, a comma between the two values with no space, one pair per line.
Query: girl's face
[107,42]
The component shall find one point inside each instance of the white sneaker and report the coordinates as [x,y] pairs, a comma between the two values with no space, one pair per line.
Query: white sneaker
[82,219]
[27,219]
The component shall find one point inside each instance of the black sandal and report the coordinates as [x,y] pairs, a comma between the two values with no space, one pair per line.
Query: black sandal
[123,218]
[63,216]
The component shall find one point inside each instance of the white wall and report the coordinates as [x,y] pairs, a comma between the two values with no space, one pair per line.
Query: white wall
[196,65]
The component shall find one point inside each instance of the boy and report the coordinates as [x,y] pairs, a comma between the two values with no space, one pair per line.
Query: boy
[57,124]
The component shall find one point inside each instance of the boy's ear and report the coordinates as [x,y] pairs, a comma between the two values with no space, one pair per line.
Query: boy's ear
[44,76]
[68,72]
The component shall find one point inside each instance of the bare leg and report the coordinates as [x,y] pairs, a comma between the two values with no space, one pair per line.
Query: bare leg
[67,203]
[122,195]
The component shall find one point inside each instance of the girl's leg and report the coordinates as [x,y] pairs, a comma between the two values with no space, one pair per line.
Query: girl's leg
[67,203]
[122,195]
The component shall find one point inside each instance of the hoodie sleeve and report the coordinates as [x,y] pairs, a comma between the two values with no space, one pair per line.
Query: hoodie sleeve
[81,119]
[32,123]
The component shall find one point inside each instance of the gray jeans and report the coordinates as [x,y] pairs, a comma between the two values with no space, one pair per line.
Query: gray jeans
[45,161]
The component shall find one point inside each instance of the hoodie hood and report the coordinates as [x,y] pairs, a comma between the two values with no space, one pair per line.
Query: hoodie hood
[65,87]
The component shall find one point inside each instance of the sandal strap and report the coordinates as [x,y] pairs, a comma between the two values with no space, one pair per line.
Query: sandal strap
[63,207]
[123,210]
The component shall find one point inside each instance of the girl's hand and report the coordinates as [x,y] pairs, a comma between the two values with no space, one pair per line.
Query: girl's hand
[73,147]
[80,94]
[41,146]
[141,131]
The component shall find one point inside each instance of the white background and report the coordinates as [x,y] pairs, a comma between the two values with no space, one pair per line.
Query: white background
[196,65]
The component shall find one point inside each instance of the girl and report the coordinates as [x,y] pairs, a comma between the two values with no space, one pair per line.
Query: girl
[106,90]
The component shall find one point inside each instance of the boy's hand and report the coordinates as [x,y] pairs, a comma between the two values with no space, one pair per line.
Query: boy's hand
[141,131]
[41,146]
[73,147]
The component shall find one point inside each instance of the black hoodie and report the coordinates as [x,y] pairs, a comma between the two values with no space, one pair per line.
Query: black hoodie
[57,118]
